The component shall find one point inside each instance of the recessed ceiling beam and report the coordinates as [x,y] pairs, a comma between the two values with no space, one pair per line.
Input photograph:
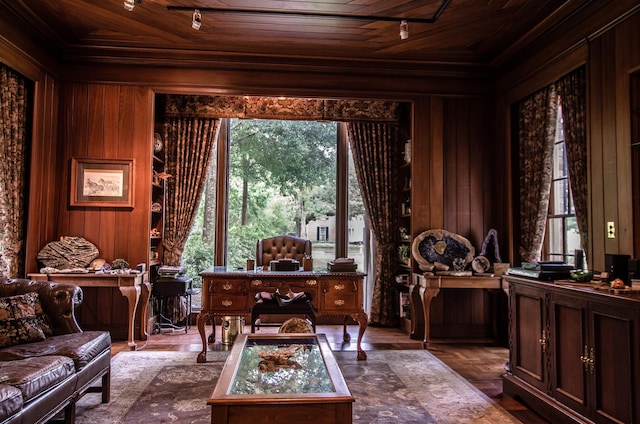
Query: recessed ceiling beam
[310,14]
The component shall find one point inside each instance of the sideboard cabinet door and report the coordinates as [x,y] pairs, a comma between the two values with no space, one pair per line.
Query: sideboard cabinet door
[615,379]
[529,336]
[570,351]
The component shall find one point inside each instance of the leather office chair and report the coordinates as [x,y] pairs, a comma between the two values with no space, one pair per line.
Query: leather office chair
[281,247]
[271,249]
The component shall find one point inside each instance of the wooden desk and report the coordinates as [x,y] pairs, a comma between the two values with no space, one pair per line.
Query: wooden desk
[232,292]
[425,288]
[133,288]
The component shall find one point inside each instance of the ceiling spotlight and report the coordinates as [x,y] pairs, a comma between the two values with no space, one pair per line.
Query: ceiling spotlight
[197,20]
[404,30]
[129,5]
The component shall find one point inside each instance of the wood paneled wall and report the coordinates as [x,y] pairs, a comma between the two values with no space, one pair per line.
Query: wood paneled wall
[107,122]
[610,56]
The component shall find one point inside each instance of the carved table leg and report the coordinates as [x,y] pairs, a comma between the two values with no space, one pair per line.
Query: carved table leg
[212,336]
[362,319]
[201,321]
[429,294]
[145,294]
[346,337]
[132,294]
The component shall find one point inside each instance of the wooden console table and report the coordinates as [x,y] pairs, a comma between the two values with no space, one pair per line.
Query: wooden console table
[425,288]
[232,292]
[133,288]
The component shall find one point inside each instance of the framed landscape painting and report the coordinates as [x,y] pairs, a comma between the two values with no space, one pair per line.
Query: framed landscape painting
[104,183]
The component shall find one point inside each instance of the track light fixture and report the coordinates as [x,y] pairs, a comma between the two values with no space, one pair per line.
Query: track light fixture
[129,5]
[404,30]
[196,22]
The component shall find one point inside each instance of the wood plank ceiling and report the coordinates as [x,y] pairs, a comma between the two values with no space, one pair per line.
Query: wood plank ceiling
[467,33]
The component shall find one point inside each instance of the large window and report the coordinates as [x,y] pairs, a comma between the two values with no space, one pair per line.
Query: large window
[282,179]
[562,236]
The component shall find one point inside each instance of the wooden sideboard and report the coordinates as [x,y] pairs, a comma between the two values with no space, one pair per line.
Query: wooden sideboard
[133,287]
[232,292]
[573,351]
[426,287]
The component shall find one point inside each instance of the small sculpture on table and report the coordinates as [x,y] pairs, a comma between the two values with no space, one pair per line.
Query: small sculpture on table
[280,358]
[442,252]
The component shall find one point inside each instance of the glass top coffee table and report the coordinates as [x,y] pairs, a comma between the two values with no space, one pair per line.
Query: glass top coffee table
[281,378]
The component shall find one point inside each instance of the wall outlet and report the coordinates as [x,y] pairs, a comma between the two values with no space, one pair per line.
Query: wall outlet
[611,229]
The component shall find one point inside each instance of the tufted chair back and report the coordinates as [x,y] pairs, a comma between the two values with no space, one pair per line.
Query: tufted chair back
[280,247]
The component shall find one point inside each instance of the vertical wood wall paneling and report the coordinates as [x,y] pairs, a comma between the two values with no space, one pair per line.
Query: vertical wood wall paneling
[110,122]
[624,61]
[436,161]
[597,215]
[44,195]
[465,151]
[450,159]
[610,157]
[123,145]
[142,155]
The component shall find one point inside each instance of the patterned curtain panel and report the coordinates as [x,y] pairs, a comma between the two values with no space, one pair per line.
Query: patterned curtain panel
[375,150]
[189,143]
[537,128]
[13,141]
[573,97]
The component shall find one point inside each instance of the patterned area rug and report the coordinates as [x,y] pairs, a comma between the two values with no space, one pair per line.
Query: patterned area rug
[392,386]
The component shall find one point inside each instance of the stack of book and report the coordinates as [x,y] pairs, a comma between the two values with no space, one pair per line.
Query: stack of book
[542,270]
[342,265]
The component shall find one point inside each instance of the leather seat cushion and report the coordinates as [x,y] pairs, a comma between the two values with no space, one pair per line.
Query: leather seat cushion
[81,347]
[10,401]
[33,376]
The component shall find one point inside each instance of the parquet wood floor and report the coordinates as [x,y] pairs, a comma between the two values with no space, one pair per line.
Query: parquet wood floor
[480,363]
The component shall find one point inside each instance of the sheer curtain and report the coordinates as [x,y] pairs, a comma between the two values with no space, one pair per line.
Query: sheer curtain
[190,143]
[14,94]
[375,150]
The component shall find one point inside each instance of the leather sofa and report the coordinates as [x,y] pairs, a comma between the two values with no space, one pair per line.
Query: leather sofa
[281,247]
[41,378]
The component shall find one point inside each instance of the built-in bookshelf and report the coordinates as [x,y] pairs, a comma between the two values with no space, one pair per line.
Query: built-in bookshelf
[158,189]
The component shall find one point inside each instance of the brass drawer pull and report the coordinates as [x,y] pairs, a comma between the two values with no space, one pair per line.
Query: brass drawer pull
[339,287]
[227,286]
[226,303]
[339,302]
[256,283]
[311,283]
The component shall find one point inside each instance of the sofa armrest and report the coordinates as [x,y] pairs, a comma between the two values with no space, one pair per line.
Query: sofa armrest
[58,300]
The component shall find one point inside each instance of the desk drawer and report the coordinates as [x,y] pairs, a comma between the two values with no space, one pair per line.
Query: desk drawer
[307,284]
[340,296]
[226,302]
[228,286]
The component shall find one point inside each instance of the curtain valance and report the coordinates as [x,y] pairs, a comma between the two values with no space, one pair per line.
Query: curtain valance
[203,106]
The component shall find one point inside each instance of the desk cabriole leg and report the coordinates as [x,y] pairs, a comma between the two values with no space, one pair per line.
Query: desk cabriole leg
[363,320]
[201,321]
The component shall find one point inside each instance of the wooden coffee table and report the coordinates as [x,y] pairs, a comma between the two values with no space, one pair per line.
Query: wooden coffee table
[309,387]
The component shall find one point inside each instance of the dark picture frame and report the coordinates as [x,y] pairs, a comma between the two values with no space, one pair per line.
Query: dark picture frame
[105,183]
